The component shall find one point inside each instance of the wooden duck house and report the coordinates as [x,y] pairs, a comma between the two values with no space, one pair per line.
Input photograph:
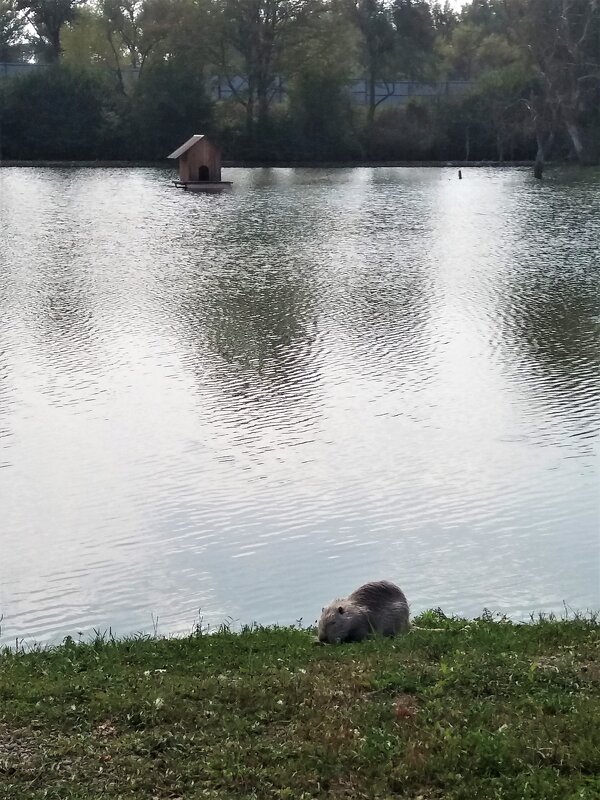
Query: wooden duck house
[199,162]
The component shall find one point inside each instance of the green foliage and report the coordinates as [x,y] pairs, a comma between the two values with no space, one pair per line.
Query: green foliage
[48,18]
[168,105]
[560,40]
[320,108]
[415,39]
[85,43]
[322,117]
[135,28]
[533,68]
[482,708]
[57,113]
[12,29]
[407,134]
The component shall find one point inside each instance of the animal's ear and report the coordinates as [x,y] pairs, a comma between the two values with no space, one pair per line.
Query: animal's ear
[340,609]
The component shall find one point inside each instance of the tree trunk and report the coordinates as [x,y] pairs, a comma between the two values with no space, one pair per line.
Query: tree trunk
[117,65]
[371,109]
[371,80]
[542,149]
[371,102]
[576,140]
[538,166]
[55,48]
[263,107]
[500,147]
[250,112]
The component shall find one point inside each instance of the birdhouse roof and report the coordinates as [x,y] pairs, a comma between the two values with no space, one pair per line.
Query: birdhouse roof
[186,145]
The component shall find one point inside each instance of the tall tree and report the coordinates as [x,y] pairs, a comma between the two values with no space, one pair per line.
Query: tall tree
[12,26]
[373,20]
[48,18]
[320,64]
[445,19]
[415,38]
[250,42]
[134,29]
[84,41]
[485,14]
[562,40]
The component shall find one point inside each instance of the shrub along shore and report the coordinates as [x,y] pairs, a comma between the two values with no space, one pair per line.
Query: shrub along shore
[479,709]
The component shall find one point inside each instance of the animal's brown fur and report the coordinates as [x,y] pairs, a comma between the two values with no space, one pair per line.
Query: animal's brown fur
[379,607]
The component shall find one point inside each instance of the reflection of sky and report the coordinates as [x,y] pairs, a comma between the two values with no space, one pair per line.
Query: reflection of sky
[248,404]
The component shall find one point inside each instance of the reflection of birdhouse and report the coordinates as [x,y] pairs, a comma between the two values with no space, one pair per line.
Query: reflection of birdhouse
[199,165]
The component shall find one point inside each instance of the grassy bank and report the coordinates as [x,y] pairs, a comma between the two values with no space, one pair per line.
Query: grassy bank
[482,709]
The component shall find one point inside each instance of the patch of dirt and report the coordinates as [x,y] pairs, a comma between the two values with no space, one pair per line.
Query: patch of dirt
[19,750]
[405,706]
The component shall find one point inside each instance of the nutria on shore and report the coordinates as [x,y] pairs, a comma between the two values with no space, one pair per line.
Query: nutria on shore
[379,607]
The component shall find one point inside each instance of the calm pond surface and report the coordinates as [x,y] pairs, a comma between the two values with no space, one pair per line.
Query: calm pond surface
[241,406]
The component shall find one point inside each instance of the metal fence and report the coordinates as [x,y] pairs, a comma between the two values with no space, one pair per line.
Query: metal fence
[398,93]
[13,70]
[391,93]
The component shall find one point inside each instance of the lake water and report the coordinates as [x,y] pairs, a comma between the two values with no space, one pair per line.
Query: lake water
[240,406]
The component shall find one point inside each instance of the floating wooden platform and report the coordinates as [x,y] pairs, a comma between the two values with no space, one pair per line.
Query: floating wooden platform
[203,186]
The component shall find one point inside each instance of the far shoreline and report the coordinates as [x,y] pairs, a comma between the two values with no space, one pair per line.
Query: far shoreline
[263,164]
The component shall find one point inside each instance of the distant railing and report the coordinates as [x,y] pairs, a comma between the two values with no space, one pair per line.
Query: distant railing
[392,93]
[398,93]
[395,93]
[12,70]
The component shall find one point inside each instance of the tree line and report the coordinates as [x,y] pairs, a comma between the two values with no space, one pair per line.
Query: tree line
[533,68]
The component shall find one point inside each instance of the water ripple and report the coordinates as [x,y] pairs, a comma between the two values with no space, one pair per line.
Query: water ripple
[239,407]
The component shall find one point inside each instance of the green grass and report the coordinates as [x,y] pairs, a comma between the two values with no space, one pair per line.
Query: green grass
[483,709]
